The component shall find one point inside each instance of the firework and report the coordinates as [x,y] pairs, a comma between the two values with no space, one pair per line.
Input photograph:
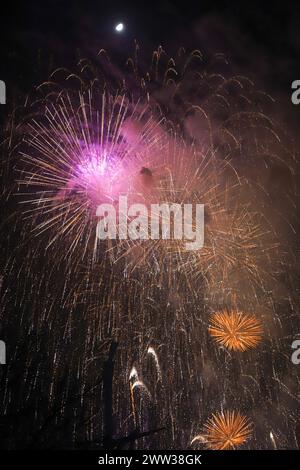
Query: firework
[224,431]
[89,146]
[81,155]
[153,353]
[235,330]
[181,136]
[78,157]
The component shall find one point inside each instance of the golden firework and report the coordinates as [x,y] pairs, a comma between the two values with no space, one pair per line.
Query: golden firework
[226,430]
[235,330]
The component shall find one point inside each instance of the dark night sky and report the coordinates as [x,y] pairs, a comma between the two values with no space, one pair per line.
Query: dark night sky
[257,36]
[261,40]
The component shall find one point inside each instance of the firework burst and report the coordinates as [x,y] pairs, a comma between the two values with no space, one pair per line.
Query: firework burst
[235,330]
[224,431]
[79,155]
[82,152]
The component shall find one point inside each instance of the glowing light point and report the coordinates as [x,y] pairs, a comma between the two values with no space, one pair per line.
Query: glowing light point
[119,27]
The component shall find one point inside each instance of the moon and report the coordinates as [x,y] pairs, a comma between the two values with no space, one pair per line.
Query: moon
[119,27]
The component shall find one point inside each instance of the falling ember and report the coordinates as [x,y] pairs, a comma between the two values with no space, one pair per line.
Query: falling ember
[226,430]
[235,330]
[273,440]
[133,374]
[199,438]
[153,353]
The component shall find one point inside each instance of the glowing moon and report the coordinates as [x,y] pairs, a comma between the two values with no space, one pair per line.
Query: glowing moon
[119,27]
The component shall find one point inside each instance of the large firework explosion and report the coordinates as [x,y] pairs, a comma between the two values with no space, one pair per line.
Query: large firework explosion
[181,132]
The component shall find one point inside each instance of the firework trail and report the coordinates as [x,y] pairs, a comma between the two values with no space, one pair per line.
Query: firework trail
[273,440]
[153,353]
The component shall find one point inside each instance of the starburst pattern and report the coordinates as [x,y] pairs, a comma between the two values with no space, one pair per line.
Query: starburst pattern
[235,330]
[226,430]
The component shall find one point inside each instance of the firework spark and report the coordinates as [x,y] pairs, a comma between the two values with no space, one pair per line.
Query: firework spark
[154,355]
[235,330]
[133,374]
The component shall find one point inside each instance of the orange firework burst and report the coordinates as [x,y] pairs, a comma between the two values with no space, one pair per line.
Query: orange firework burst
[226,430]
[235,330]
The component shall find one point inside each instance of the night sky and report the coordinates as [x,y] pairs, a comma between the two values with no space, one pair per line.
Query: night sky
[56,30]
